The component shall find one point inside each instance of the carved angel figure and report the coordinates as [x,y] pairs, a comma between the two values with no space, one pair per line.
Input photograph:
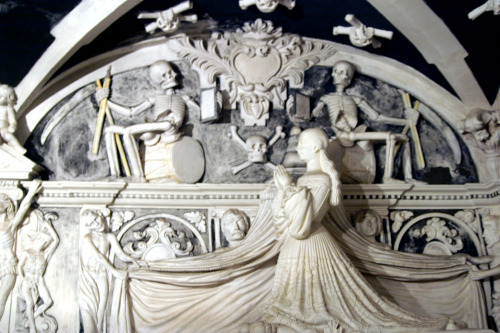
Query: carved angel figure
[9,222]
[316,287]
[96,268]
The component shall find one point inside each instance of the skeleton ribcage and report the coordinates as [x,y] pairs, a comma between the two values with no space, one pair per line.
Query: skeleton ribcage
[169,103]
[341,108]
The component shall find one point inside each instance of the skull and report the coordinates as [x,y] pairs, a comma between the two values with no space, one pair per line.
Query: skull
[343,72]
[266,6]
[161,72]
[256,149]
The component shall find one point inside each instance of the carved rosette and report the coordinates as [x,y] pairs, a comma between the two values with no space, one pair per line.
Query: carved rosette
[255,64]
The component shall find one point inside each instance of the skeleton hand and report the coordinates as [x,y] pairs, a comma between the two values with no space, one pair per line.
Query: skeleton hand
[411,114]
[115,129]
[12,128]
[281,177]
[101,94]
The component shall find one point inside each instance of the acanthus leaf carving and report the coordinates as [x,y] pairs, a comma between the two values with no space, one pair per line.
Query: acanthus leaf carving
[158,234]
[198,219]
[436,229]
[255,64]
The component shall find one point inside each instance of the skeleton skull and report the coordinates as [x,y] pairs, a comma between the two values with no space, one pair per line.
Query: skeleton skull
[266,6]
[343,72]
[161,72]
[256,146]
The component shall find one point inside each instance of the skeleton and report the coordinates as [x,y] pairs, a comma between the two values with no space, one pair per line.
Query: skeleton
[169,111]
[169,20]
[359,34]
[343,111]
[267,6]
[256,147]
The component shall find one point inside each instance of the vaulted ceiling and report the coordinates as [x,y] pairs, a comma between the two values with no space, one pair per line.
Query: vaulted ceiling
[25,33]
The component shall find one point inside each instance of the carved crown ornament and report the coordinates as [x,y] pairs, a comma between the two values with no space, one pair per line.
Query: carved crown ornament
[254,64]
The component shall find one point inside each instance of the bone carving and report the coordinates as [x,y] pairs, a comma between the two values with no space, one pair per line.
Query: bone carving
[255,64]
[169,20]
[359,34]
[267,6]
[256,147]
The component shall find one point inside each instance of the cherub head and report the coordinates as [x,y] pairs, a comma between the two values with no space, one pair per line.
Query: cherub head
[7,95]
[368,223]
[235,225]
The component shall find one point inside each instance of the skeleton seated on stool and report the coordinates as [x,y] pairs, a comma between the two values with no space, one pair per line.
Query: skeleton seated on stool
[343,112]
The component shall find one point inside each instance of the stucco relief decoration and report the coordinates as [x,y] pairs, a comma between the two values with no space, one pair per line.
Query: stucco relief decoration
[255,64]
[441,239]
[157,238]
[469,218]
[198,219]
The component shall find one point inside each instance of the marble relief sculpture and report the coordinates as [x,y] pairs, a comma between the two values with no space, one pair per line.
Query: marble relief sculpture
[38,241]
[169,20]
[481,129]
[10,220]
[8,122]
[234,225]
[254,65]
[256,147]
[267,6]
[312,270]
[359,34]
[96,269]
[159,137]
[343,112]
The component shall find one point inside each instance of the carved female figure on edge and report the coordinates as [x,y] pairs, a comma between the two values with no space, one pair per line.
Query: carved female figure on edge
[316,287]
[96,268]
[9,222]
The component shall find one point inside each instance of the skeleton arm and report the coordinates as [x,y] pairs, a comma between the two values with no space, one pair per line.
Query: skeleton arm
[373,115]
[278,135]
[191,103]
[318,109]
[234,135]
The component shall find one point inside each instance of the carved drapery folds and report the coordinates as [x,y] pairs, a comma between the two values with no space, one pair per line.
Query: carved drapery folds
[255,65]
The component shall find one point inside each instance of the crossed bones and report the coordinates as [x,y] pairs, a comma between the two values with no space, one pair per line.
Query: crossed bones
[256,146]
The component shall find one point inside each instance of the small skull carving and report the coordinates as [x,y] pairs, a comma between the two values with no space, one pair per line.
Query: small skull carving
[257,148]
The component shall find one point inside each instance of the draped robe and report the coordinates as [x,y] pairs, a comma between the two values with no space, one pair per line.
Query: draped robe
[220,291]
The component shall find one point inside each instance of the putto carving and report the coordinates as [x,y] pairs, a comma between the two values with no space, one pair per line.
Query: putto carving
[441,239]
[198,219]
[255,64]
[359,34]
[256,147]
[398,218]
[8,122]
[481,129]
[38,241]
[169,20]
[159,241]
[267,6]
